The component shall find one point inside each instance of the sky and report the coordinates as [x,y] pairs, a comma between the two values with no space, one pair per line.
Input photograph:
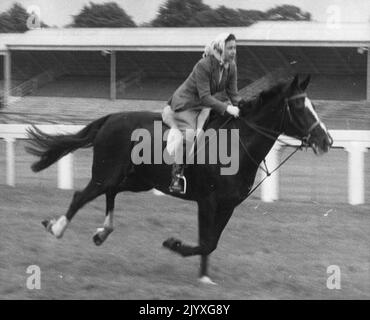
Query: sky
[59,12]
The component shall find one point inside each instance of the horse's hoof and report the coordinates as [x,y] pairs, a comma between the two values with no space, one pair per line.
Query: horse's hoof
[45,223]
[101,235]
[97,240]
[48,224]
[207,280]
[172,243]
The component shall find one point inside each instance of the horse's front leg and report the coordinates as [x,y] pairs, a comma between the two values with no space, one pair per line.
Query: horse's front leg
[206,226]
[182,249]
[208,236]
[222,217]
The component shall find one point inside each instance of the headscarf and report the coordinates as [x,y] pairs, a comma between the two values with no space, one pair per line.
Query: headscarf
[217,48]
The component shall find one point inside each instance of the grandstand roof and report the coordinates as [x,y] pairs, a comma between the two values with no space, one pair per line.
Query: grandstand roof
[6,38]
[277,33]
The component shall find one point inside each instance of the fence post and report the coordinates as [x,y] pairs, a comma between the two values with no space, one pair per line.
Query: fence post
[7,77]
[368,76]
[10,162]
[270,187]
[65,172]
[356,185]
[113,84]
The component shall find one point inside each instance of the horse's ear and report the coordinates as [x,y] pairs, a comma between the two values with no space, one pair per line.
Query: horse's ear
[304,83]
[295,81]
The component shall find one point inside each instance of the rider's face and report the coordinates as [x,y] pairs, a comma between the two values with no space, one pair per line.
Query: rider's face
[230,50]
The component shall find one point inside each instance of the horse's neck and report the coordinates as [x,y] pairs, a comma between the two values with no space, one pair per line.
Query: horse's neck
[259,144]
[270,115]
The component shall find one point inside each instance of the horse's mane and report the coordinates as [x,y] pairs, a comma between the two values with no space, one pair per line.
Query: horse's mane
[273,90]
[252,106]
[254,103]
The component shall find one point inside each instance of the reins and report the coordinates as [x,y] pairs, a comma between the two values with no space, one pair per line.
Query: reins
[268,133]
[266,170]
[274,136]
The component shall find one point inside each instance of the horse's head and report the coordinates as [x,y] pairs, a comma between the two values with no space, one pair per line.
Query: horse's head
[287,106]
[301,120]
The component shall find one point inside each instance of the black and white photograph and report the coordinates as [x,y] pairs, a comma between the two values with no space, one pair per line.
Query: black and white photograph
[202,151]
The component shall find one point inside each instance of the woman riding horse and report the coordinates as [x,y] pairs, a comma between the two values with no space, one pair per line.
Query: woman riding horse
[284,108]
[211,85]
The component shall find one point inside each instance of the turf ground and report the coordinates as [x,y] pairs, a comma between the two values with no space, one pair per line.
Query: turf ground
[279,250]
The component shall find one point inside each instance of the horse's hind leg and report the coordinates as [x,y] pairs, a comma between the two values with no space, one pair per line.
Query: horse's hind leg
[80,198]
[131,183]
[102,233]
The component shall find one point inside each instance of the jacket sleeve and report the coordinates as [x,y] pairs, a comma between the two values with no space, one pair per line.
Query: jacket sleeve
[232,85]
[203,78]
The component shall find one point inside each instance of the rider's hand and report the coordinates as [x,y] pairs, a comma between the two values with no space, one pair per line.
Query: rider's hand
[234,111]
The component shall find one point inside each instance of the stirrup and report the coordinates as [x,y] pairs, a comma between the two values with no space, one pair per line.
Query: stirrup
[184,180]
[182,191]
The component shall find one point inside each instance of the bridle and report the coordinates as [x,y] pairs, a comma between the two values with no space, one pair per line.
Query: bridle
[273,135]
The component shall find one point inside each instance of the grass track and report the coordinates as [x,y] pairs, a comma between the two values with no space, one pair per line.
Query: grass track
[268,251]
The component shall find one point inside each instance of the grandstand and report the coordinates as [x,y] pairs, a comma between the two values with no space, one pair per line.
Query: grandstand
[55,71]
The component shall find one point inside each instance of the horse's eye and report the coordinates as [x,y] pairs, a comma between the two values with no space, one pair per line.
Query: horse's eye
[299,105]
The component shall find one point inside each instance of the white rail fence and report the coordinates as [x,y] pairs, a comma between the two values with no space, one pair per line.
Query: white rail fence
[355,142]
[12,132]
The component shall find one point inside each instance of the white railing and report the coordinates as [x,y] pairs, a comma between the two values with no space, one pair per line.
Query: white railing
[355,142]
[12,132]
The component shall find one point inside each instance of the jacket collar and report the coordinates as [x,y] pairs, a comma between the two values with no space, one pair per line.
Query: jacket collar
[215,70]
[216,63]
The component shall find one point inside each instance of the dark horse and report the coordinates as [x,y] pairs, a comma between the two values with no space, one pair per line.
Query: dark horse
[284,108]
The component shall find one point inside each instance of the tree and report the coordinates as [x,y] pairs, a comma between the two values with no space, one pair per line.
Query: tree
[18,16]
[194,13]
[220,17]
[179,13]
[15,19]
[107,15]
[287,12]
[252,16]
[6,24]
[205,18]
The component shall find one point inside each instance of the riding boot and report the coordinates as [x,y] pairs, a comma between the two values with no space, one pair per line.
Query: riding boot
[178,183]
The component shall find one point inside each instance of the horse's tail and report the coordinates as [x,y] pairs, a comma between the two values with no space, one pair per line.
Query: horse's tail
[50,148]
